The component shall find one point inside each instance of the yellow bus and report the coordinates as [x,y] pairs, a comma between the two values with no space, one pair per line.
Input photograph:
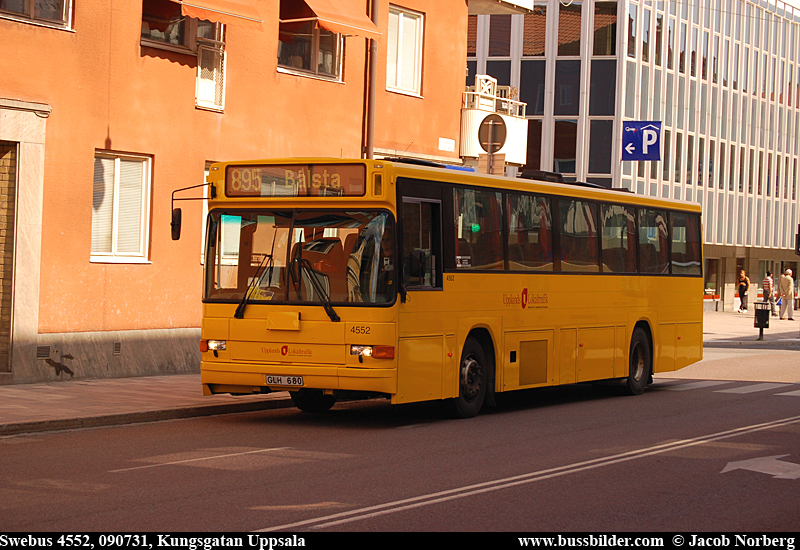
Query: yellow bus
[336,278]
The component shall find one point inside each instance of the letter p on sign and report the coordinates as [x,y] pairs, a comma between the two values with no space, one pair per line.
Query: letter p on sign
[640,140]
[649,137]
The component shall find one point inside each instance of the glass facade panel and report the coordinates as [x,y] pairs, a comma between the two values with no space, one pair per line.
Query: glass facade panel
[531,85]
[569,29]
[500,36]
[565,146]
[605,28]
[602,89]
[568,81]
[600,144]
[534,30]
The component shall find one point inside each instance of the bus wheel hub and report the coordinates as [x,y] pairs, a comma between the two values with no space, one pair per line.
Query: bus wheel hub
[470,377]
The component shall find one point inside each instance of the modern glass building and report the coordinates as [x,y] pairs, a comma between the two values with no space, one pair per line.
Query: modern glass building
[723,77]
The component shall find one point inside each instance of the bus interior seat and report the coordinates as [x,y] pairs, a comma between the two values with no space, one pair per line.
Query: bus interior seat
[326,256]
[350,244]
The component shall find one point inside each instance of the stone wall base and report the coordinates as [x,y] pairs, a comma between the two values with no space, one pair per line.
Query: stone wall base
[114,354]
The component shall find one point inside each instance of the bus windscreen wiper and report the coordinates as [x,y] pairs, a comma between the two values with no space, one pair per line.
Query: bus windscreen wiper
[305,267]
[239,313]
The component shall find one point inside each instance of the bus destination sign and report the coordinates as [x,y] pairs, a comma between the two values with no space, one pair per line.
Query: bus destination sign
[296,180]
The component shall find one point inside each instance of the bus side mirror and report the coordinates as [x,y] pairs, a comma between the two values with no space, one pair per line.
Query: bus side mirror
[176,224]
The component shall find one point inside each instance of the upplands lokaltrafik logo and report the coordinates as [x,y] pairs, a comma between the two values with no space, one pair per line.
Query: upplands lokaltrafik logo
[286,351]
[522,299]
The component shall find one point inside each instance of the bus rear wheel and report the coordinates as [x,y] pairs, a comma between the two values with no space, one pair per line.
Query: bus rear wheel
[313,401]
[640,362]
[473,380]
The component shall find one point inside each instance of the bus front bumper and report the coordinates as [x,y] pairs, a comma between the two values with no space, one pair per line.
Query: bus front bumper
[248,378]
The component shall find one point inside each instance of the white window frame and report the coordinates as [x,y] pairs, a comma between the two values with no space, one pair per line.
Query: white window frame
[30,17]
[114,256]
[394,81]
[216,49]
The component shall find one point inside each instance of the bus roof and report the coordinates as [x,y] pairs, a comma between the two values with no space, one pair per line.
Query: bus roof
[431,171]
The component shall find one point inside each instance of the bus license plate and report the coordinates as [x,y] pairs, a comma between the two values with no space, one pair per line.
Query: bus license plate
[273,380]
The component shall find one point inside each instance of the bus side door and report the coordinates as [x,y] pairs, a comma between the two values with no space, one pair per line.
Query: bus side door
[422,343]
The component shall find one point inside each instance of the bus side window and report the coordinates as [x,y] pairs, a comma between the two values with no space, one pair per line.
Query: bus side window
[421,243]
[478,225]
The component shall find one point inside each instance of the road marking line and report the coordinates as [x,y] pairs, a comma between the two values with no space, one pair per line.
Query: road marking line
[795,393]
[531,477]
[753,388]
[696,385]
[197,459]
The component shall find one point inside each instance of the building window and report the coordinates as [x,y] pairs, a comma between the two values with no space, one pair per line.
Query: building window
[164,27]
[605,28]
[304,48]
[632,31]
[404,51]
[210,89]
[535,25]
[569,29]
[565,146]
[54,12]
[120,208]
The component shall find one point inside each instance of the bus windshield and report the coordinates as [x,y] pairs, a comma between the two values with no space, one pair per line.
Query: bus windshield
[300,256]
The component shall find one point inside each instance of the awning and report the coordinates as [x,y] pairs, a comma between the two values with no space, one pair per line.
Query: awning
[340,16]
[497,7]
[229,12]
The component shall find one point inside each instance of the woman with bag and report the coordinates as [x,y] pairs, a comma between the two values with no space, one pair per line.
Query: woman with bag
[744,284]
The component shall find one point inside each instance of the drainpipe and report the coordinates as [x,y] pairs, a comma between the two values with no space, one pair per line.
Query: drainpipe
[373,69]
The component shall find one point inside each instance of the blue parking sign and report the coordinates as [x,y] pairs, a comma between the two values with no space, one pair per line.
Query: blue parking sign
[641,140]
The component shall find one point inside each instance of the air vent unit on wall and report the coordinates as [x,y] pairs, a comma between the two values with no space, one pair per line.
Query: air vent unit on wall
[43,352]
[117,348]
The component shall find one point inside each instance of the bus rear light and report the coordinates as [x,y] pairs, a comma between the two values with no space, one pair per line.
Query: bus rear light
[378,352]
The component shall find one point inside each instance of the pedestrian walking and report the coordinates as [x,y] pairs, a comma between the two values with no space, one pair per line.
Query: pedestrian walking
[768,291]
[744,284]
[786,292]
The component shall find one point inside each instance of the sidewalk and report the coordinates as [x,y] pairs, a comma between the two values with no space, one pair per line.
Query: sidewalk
[29,408]
[731,329]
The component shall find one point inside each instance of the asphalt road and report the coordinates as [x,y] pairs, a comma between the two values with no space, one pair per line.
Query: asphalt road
[693,453]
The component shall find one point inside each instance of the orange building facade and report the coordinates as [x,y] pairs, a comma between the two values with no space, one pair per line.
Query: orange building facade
[108,107]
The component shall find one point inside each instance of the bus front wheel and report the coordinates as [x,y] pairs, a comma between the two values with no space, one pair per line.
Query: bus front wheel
[473,379]
[640,362]
[313,401]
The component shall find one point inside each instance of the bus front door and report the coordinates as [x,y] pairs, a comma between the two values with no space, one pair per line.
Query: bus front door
[422,329]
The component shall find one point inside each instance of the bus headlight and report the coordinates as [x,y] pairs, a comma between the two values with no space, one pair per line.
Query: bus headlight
[378,352]
[213,345]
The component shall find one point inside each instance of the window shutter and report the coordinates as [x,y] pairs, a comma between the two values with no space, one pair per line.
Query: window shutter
[129,221]
[210,77]
[102,205]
